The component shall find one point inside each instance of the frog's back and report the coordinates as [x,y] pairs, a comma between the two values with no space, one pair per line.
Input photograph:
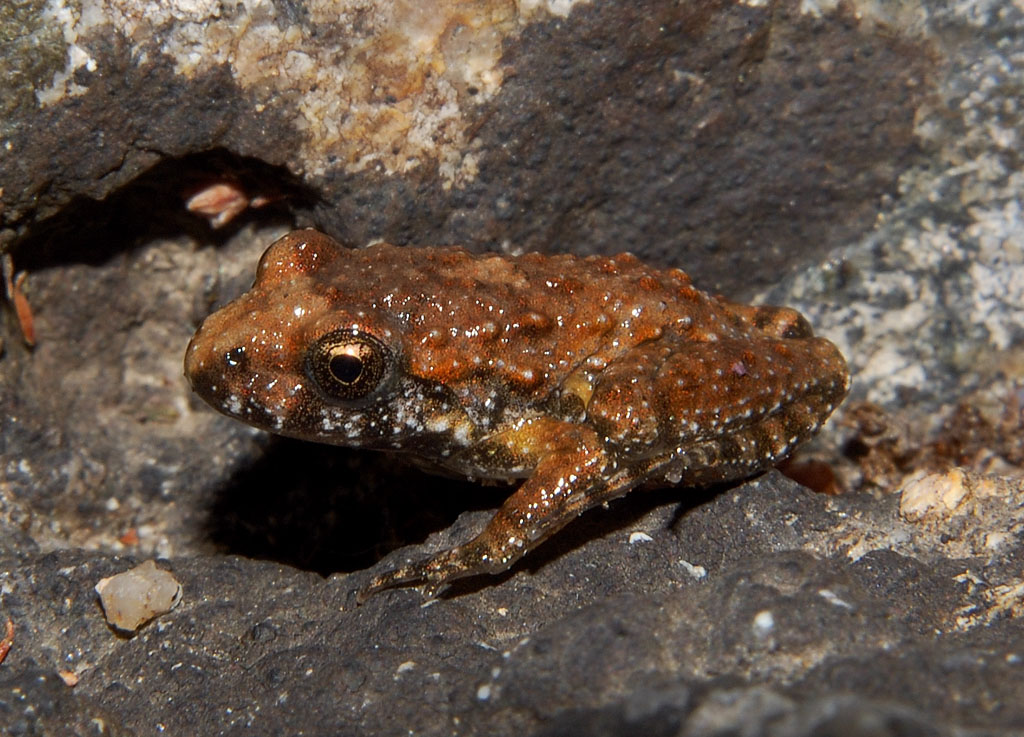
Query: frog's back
[655,365]
[526,322]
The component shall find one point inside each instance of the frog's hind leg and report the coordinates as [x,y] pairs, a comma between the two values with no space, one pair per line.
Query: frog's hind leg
[573,473]
[778,322]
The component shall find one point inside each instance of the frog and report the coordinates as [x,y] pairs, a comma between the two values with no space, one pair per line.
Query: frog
[579,378]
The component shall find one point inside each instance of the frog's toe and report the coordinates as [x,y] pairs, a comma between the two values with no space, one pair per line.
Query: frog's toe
[405,576]
[435,573]
[432,574]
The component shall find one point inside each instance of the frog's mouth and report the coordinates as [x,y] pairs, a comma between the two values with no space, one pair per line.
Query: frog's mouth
[259,388]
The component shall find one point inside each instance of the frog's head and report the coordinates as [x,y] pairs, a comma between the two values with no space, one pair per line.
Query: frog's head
[297,355]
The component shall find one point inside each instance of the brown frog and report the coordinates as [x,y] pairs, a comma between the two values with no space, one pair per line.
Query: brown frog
[587,377]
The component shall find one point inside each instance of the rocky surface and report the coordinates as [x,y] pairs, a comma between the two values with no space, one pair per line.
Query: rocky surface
[856,160]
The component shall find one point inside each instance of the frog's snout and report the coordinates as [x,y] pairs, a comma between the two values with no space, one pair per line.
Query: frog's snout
[202,369]
[217,374]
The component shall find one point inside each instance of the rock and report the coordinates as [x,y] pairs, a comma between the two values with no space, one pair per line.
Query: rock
[855,160]
[132,598]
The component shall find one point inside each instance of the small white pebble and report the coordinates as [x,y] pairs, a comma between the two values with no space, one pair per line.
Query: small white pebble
[764,623]
[132,598]
[833,599]
[696,572]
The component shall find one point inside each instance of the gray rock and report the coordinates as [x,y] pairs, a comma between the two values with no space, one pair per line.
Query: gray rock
[856,160]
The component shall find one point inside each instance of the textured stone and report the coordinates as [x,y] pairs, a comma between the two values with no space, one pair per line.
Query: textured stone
[856,160]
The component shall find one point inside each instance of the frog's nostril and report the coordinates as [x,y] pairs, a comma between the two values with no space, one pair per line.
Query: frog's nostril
[236,358]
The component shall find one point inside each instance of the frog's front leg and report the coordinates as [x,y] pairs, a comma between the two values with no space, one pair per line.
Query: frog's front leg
[573,472]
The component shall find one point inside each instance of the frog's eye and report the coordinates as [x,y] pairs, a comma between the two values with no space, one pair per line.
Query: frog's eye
[348,364]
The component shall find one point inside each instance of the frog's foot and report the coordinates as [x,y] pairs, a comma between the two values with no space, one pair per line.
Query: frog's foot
[571,476]
[433,574]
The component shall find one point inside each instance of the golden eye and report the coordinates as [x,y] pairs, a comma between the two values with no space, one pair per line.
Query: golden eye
[348,364]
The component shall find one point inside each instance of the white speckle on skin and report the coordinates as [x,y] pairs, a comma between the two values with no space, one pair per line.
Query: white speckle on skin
[438,423]
[462,433]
